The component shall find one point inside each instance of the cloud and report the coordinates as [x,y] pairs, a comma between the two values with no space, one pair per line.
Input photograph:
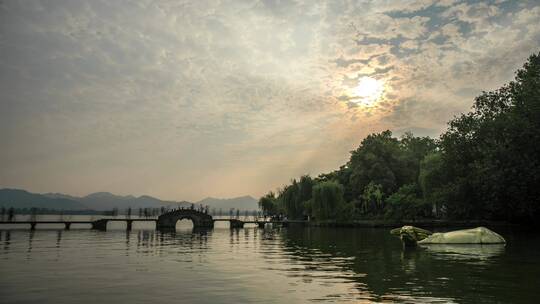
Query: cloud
[180,99]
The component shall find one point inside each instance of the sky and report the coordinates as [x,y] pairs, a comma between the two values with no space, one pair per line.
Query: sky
[188,99]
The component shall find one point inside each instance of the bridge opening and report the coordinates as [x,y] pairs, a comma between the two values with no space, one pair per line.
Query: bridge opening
[184,224]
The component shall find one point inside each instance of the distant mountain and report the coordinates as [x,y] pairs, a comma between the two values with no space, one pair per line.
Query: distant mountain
[241,203]
[61,195]
[23,199]
[107,201]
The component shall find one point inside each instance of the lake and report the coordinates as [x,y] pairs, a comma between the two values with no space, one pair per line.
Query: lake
[252,265]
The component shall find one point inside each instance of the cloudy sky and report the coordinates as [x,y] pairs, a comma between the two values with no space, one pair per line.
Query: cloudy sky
[188,99]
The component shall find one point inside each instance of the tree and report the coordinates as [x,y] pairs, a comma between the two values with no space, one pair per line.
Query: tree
[372,198]
[432,180]
[268,204]
[407,203]
[376,160]
[327,199]
[491,154]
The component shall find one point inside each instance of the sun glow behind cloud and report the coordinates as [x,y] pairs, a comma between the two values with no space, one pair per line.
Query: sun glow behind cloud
[368,91]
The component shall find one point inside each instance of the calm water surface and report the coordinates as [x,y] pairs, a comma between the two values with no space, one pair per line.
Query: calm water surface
[251,265]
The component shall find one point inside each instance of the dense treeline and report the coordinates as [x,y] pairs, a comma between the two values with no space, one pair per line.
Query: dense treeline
[485,166]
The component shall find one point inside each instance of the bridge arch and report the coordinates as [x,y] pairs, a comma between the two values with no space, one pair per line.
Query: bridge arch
[167,221]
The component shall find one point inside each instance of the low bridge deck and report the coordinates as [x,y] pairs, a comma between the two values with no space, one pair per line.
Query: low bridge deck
[67,223]
[101,224]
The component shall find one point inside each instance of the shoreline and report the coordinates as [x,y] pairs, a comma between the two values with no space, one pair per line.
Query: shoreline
[416,223]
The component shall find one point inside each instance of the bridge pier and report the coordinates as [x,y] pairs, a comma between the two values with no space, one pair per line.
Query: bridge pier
[129,225]
[100,225]
[67,225]
[33,226]
[261,224]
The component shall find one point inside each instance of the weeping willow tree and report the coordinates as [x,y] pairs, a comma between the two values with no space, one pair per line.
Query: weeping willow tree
[327,200]
[268,204]
[372,198]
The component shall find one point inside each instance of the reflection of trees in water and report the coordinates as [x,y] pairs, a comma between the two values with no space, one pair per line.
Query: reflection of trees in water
[128,238]
[234,237]
[58,238]
[30,239]
[377,264]
[160,242]
[7,240]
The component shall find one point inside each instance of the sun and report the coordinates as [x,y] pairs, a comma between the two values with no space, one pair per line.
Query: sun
[368,90]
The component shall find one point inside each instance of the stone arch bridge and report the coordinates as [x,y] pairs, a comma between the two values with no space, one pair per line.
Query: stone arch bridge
[200,219]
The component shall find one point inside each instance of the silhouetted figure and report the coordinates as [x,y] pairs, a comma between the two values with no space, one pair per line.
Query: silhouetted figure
[128,213]
[11,214]
[192,206]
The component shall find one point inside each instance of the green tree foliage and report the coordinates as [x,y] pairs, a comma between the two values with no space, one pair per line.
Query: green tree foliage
[492,154]
[407,204]
[305,189]
[387,161]
[289,197]
[413,151]
[268,204]
[372,198]
[376,160]
[296,196]
[432,181]
[327,201]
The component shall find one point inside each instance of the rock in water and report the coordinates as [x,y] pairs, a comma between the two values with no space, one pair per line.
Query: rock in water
[479,235]
[409,235]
